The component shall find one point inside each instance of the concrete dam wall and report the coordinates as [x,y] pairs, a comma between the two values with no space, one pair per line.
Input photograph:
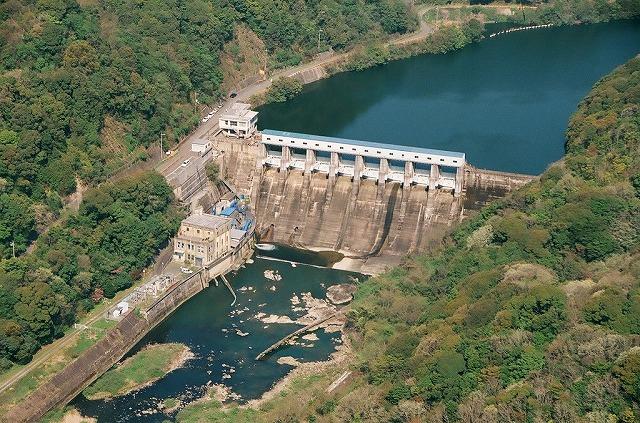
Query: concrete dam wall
[373,223]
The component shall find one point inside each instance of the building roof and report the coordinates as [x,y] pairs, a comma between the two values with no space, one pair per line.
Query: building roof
[236,237]
[239,111]
[207,221]
[362,143]
[237,233]
[201,141]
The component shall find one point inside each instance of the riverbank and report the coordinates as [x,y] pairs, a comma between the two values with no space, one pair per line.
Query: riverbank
[342,357]
[142,369]
[303,381]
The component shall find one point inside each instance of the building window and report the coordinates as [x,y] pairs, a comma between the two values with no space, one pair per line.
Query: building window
[366,151]
[442,160]
[341,148]
[416,157]
[268,139]
[353,149]
[455,161]
[391,154]
[304,143]
[198,231]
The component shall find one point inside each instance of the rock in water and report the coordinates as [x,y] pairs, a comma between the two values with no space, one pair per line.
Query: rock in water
[289,361]
[341,294]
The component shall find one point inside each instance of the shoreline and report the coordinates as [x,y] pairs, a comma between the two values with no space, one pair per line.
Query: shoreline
[342,355]
[177,362]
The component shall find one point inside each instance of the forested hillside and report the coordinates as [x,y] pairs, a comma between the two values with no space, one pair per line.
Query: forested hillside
[532,313]
[84,85]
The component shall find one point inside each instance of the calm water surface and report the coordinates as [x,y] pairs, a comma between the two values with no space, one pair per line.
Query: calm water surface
[505,101]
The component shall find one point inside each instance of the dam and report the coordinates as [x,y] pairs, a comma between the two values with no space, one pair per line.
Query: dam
[373,202]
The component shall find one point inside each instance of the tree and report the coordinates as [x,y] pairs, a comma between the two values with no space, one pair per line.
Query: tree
[213,172]
[283,89]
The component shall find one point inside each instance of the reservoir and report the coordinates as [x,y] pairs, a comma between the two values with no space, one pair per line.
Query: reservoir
[505,101]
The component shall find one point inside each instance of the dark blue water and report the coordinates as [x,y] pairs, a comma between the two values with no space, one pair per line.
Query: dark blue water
[505,101]
[199,323]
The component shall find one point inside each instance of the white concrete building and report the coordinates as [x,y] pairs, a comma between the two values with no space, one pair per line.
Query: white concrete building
[201,146]
[239,121]
[362,159]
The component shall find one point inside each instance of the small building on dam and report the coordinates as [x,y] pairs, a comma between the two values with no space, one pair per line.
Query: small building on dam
[363,160]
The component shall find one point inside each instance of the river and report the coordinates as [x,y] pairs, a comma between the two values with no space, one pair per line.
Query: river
[505,101]
[207,324]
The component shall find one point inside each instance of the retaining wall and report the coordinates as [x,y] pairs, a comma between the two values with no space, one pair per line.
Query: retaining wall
[70,381]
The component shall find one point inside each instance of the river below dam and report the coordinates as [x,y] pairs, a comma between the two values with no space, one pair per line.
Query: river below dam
[504,101]
[225,339]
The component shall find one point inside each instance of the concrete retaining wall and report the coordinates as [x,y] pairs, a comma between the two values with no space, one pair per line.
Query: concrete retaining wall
[70,381]
[177,295]
[66,384]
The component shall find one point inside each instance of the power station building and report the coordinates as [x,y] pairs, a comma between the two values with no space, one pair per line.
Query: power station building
[202,239]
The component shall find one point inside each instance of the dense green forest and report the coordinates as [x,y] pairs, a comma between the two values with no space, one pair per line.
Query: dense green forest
[530,313]
[117,232]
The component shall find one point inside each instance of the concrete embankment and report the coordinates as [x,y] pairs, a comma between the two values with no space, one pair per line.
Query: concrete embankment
[100,357]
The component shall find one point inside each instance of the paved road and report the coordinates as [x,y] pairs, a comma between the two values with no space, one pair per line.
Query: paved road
[204,130]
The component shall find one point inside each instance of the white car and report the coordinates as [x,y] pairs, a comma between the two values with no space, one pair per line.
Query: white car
[186,270]
[186,163]
[205,119]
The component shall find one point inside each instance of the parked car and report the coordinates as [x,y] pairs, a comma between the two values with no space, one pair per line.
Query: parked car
[186,163]
[205,119]
[186,270]
[233,94]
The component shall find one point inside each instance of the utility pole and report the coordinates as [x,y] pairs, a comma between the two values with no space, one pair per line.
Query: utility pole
[162,134]
[319,31]
[13,246]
